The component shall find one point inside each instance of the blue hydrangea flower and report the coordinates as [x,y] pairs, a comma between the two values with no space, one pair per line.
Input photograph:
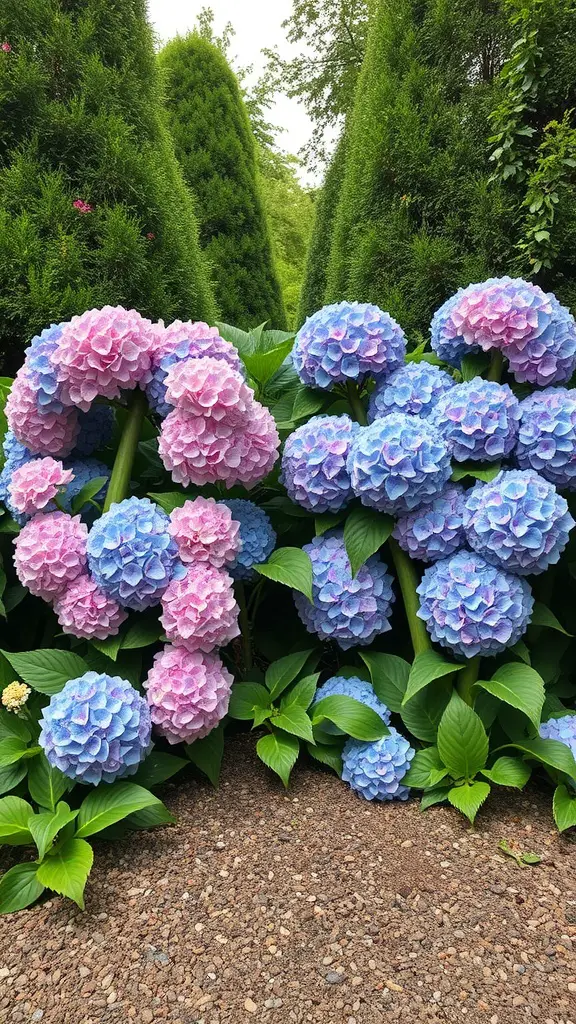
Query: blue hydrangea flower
[445,339]
[479,420]
[350,611]
[353,687]
[375,770]
[347,341]
[414,388]
[436,530]
[547,436]
[548,355]
[15,456]
[131,555]
[97,729]
[562,729]
[398,463]
[41,370]
[518,521]
[314,463]
[257,535]
[472,607]
[96,429]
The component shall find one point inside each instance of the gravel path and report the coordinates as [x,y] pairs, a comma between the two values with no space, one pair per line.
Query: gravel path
[306,907]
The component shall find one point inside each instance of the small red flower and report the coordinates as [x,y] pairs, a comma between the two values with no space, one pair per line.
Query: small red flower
[81,206]
[150,236]
[6,47]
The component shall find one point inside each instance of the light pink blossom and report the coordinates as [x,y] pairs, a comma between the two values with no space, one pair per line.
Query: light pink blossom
[43,433]
[209,387]
[199,612]
[188,693]
[36,484]
[205,532]
[85,611]
[50,553]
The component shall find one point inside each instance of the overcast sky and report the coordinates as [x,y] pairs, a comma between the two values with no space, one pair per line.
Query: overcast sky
[258,24]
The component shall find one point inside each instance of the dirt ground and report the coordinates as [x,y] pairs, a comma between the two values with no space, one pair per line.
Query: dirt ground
[310,906]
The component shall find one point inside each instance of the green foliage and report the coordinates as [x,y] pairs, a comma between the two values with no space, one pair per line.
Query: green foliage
[216,150]
[82,119]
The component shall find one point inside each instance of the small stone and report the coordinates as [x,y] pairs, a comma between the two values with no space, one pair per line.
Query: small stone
[334,977]
[250,1005]
[393,986]
[571,986]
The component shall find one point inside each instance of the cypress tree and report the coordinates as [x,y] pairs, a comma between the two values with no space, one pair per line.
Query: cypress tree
[216,149]
[93,206]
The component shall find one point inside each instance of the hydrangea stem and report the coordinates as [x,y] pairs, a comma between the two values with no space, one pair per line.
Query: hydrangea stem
[408,580]
[496,367]
[120,479]
[244,622]
[466,679]
[358,410]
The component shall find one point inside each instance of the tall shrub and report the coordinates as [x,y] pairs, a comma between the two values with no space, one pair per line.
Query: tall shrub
[216,149]
[93,206]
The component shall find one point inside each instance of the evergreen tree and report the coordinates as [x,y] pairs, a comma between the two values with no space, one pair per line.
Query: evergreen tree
[93,205]
[216,150]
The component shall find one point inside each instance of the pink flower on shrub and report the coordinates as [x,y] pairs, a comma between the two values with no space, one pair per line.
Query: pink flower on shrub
[188,693]
[6,48]
[209,387]
[200,612]
[81,206]
[43,433]
[85,611]
[205,532]
[36,484]
[50,553]
[150,236]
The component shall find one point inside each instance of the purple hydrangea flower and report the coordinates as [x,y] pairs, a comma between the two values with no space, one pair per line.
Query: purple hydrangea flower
[548,356]
[375,770]
[414,389]
[42,371]
[398,463]
[518,521]
[16,455]
[434,531]
[353,687]
[479,420]
[347,341]
[472,607]
[547,436]
[182,341]
[96,430]
[351,611]
[314,463]
[562,729]
[131,555]
[257,535]
[449,345]
[97,729]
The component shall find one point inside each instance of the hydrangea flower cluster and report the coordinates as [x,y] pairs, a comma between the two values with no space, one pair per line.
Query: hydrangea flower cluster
[561,729]
[518,522]
[351,611]
[182,341]
[16,455]
[347,341]
[84,610]
[34,485]
[50,553]
[199,610]
[547,436]
[472,607]
[188,693]
[398,463]
[41,368]
[314,470]
[375,770]
[414,389]
[479,420]
[358,689]
[436,530]
[95,430]
[42,432]
[205,531]
[257,537]
[97,729]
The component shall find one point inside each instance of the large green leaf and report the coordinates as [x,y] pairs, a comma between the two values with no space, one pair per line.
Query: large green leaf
[67,868]
[302,693]
[262,365]
[520,686]
[508,771]
[240,339]
[47,671]
[564,806]
[46,826]
[365,531]
[11,725]
[474,365]
[542,616]
[142,633]
[12,750]
[207,754]
[329,755]
[327,521]
[279,751]
[469,798]
[89,491]
[551,753]
[295,720]
[12,775]
[245,698]
[168,500]
[110,646]
[426,769]
[480,471]
[157,768]
[352,717]
[462,740]
[422,714]
[109,804]
[436,795]
[290,566]
[19,888]
[306,402]
[427,667]
[14,815]
[45,783]
[281,673]
[389,675]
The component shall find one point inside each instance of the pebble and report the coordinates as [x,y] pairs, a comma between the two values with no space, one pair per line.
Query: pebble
[335,977]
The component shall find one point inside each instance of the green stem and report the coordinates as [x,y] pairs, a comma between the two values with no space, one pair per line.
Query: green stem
[496,367]
[358,410]
[244,622]
[122,471]
[408,580]
[466,679]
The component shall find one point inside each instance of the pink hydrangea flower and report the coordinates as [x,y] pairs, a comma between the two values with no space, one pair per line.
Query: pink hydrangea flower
[188,693]
[209,387]
[85,611]
[199,612]
[205,532]
[500,313]
[195,340]
[50,553]
[6,48]
[259,445]
[43,433]
[81,206]
[102,352]
[34,485]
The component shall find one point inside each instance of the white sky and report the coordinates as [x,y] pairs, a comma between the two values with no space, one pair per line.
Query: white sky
[258,25]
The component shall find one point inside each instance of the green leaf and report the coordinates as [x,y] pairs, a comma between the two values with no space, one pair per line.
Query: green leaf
[469,798]
[551,753]
[352,717]
[389,675]
[329,755]
[365,531]
[9,525]
[290,566]
[425,668]
[474,365]
[426,769]
[564,806]
[422,714]
[45,783]
[327,522]
[508,771]
[521,651]
[47,671]
[207,754]
[14,596]
[479,470]
[294,719]
[12,750]
[19,888]
[281,673]
[89,491]
[263,365]
[245,698]
[46,826]
[11,725]
[11,776]
[142,633]
[261,715]
[279,751]
[520,686]
[542,616]
[437,795]
[462,740]
[307,401]
[108,804]
[302,693]
[157,768]
[14,815]
[153,816]
[110,646]
[67,868]
[168,500]
[240,339]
